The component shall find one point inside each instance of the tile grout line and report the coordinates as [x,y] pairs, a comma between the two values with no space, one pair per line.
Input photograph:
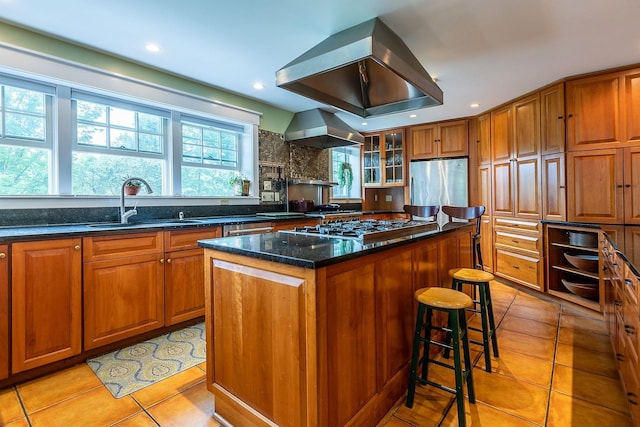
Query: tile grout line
[553,366]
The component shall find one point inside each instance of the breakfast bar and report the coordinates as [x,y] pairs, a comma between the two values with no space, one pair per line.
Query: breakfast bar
[313,330]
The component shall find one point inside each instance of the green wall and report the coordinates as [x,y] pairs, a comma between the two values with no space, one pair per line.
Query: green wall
[273,119]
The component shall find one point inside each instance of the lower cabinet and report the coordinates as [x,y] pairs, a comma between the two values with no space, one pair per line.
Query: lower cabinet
[4,311]
[123,287]
[518,252]
[46,302]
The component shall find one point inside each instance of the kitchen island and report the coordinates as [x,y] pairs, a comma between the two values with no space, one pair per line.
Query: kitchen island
[307,330]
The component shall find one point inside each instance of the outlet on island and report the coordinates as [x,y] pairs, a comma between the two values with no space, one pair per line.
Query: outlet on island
[388,198]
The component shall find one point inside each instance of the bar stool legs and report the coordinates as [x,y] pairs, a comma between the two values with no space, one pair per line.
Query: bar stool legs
[454,304]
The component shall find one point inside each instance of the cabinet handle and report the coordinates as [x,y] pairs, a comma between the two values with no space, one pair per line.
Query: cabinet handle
[619,186]
[628,282]
[560,117]
[562,186]
[168,260]
[3,255]
[76,247]
[617,303]
[516,267]
[627,185]
[569,116]
[515,241]
[629,329]
[161,260]
[620,357]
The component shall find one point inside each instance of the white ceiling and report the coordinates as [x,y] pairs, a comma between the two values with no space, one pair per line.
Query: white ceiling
[480,51]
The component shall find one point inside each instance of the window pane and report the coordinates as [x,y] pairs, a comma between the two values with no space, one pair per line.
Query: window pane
[206,182]
[149,123]
[90,112]
[24,171]
[103,174]
[123,118]
[150,143]
[345,169]
[25,100]
[92,135]
[123,139]
[24,126]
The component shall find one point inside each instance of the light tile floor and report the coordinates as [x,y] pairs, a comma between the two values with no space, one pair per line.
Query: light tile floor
[556,368]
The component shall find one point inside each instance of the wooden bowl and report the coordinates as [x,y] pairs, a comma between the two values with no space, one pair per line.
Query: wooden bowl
[583,262]
[585,290]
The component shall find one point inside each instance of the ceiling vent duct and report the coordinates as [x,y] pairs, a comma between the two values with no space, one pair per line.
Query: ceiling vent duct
[320,129]
[366,70]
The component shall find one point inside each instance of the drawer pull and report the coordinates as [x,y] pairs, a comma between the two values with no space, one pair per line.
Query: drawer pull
[515,241]
[76,247]
[620,357]
[628,282]
[168,260]
[629,329]
[516,267]
[617,303]
[161,260]
[3,255]
[631,397]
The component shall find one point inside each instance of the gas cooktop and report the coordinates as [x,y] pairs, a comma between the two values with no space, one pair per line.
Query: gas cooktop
[366,231]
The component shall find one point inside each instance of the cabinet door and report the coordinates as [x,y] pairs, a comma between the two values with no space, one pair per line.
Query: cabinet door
[632,185]
[484,139]
[503,189]
[4,311]
[184,286]
[526,121]
[501,135]
[632,106]
[393,158]
[527,188]
[486,243]
[484,187]
[122,297]
[594,186]
[453,139]
[553,188]
[632,244]
[593,112]
[423,142]
[552,119]
[371,159]
[46,302]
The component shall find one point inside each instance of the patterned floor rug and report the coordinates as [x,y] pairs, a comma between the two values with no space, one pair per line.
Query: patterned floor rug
[133,368]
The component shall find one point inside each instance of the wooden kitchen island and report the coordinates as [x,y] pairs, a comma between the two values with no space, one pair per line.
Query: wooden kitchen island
[305,330]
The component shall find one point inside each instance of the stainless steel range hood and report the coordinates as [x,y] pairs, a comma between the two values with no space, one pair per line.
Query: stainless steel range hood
[320,129]
[366,70]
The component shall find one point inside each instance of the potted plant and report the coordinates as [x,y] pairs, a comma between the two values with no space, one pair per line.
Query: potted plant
[132,187]
[345,175]
[240,183]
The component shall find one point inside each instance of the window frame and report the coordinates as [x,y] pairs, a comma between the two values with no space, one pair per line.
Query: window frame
[356,167]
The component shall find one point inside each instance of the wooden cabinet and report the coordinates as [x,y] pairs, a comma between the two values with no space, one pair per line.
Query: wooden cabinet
[553,187]
[595,189]
[631,184]
[4,311]
[486,229]
[552,119]
[444,139]
[123,286]
[516,159]
[483,141]
[184,273]
[573,268]
[593,112]
[517,252]
[632,244]
[46,302]
[383,158]
[632,106]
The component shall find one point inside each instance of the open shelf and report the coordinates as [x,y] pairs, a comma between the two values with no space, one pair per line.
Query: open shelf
[593,305]
[577,248]
[576,271]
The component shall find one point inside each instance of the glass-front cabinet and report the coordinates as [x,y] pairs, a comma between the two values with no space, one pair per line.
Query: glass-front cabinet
[383,159]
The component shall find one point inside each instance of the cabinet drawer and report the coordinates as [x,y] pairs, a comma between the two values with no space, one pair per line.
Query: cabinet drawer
[519,241]
[532,226]
[519,268]
[632,285]
[121,245]
[176,240]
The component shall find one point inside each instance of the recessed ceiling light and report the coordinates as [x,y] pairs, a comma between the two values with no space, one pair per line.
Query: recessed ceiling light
[474,105]
[258,85]
[152,47]
[364,123]
[413,116]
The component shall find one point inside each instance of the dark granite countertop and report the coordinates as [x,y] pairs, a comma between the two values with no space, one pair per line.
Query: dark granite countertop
[32,232]
[311,251]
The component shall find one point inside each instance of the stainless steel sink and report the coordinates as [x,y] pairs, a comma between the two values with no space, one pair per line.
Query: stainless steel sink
[157,223]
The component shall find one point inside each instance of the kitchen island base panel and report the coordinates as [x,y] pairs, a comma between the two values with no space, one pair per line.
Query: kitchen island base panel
[294,346]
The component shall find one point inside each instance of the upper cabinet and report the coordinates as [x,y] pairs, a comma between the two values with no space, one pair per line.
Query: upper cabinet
[383,159]
[435,140]
[552,119]
[483,140]
[603,111]
[515,144]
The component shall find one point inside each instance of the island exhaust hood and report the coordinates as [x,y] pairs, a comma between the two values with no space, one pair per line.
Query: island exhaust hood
[366,70]
[320,129]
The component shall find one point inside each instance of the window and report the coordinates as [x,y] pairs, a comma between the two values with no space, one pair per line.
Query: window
[25,137]
[114,139]
[345,170]
[210,157]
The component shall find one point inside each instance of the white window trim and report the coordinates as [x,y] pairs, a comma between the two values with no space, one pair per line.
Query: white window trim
[29,64]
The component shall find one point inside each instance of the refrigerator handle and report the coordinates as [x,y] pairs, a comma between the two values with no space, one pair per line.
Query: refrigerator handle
[411,191]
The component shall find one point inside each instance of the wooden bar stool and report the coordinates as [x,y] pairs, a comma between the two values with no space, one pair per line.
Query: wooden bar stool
[429,213]
[484,306]
[469,214]
[454,304]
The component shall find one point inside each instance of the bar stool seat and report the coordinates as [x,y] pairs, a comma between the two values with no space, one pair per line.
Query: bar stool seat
[480,279]
[454,303]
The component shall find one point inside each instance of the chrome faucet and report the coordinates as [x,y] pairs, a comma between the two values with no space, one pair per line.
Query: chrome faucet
[124,215]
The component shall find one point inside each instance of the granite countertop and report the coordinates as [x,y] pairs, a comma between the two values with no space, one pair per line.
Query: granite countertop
[311,251]
[62,230]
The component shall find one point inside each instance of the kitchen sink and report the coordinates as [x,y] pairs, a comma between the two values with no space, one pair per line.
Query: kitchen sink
[158,223]
[112,225]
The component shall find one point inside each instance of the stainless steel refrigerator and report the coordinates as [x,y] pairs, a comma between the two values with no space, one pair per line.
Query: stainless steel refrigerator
[439,182]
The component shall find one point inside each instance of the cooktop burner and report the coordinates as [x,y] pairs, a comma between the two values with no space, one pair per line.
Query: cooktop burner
[366,230]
